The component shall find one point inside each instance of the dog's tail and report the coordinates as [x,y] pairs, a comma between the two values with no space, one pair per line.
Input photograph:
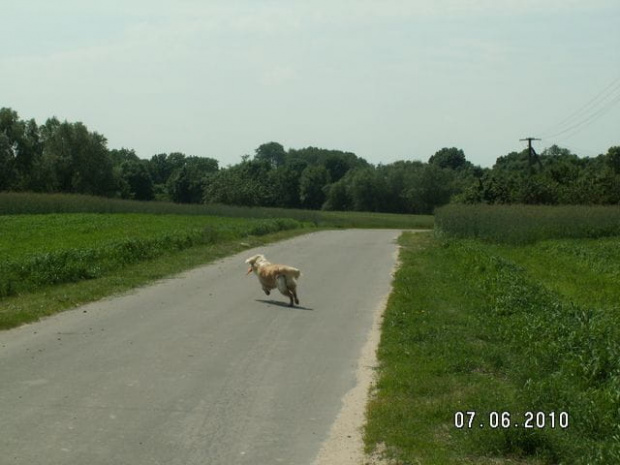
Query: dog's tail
[289,271]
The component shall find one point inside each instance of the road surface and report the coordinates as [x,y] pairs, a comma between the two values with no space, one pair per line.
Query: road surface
[202,368]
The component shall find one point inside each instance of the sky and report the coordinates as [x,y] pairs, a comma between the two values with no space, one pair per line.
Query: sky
[386,79]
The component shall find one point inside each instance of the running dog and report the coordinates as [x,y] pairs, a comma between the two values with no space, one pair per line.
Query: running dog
[271,276]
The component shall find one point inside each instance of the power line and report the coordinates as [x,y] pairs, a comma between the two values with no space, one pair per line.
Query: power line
[586,121]
[599,98]
[594,109]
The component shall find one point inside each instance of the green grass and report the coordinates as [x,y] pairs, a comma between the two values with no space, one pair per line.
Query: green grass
[41,251]
[12,203]
[582,270]
[24,235]
[473,326]
[47,300]
[50,242]
[525,224]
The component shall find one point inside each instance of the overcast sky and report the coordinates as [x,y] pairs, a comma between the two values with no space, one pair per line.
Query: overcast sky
[388,80]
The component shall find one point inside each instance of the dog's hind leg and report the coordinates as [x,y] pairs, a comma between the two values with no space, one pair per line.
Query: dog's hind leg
[294,292]
[284,289]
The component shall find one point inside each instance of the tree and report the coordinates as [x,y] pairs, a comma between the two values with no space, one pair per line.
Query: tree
[537,190]
[237,185]
[187,183]
[7,163]
[20,151]
[79,159]
[339,163]
[612,159]
[284,184]
[397,177]
[514,161]
[272,152]
[119,156]
[137,179]
[11,131]
[29,157]
[336,161]
[431,188]
[311,186]
[337,196]
[451,158]
[160,168]
[365,189]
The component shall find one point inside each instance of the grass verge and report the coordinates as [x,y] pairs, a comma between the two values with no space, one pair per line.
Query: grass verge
[475,327]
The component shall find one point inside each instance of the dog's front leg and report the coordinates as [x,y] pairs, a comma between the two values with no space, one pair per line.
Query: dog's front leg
[267,291]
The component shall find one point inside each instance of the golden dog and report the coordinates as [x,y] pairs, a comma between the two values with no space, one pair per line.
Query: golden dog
[271,276]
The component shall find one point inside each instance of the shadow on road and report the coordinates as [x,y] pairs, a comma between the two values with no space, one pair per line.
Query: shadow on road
[283,304]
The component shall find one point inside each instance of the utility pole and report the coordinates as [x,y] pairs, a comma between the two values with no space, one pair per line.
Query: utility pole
[531,151]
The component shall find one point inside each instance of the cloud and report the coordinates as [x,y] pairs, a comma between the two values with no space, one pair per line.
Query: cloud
[163,75]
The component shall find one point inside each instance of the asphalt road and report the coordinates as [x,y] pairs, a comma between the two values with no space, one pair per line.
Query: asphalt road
[202,368]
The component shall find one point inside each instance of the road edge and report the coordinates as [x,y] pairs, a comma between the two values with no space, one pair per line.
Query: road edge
[345,443]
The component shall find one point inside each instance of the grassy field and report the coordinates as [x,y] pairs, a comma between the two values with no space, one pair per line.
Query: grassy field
[49,244]
[43,251]
[13,203]
[48,300]
[26,236]
[501,353]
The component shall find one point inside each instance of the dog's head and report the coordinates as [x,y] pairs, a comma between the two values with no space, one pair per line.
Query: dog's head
[255,262]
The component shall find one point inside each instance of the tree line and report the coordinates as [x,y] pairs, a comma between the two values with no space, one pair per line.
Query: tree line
[66,157]
[555,177]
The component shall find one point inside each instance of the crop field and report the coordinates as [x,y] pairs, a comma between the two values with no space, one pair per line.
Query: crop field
[503,352]
[26,236]
[13,203]
[49,243]
[46,250]
[525,224]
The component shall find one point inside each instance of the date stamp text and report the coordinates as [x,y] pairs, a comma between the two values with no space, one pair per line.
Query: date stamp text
[505,420]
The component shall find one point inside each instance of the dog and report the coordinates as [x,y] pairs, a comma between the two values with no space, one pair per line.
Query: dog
[271,276]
